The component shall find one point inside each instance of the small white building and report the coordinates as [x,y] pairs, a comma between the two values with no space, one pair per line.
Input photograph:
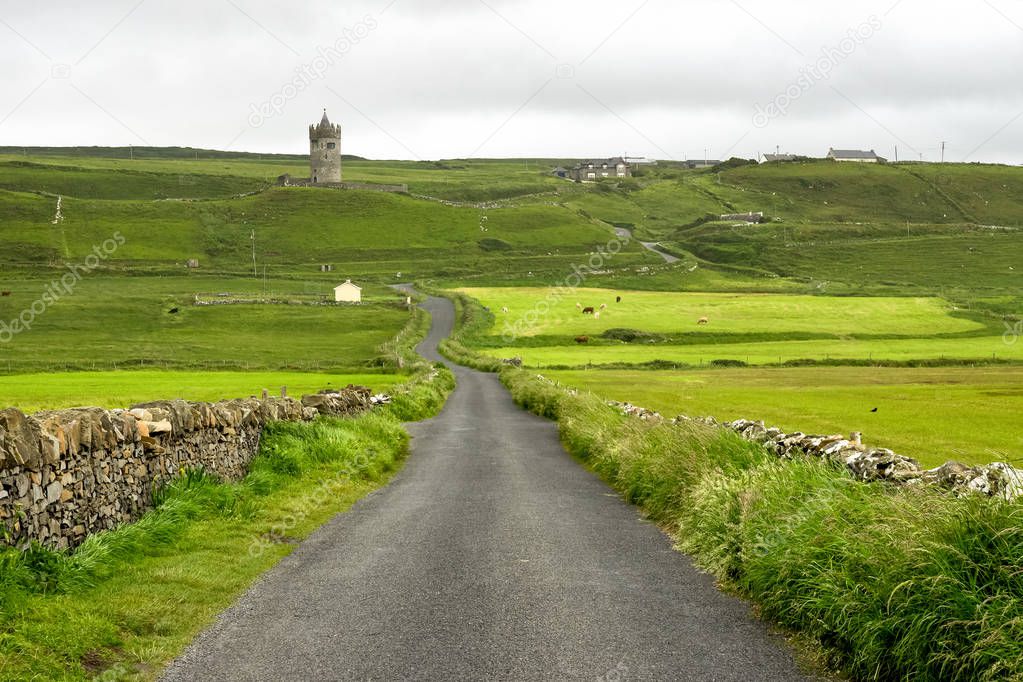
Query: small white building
[348,292]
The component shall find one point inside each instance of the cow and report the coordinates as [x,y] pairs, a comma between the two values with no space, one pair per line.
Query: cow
[618,299]
[5,293]
[173,311]
[588,311]
[582,339]
[703,320]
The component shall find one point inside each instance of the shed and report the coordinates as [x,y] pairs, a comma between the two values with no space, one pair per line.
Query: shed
[348,292]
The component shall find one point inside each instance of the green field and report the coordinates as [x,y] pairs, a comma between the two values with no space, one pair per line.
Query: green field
[34,392]
[756,329]
[111,323]
[933,414]
[982,348]
[727,313]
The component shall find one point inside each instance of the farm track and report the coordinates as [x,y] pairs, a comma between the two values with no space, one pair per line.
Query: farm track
[491,555]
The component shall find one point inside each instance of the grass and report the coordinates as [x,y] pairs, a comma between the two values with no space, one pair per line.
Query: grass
[114,323]
[128,601]
[34,392]
[756,329]
[931,414]
[894,583]
[728,313]
[949,350]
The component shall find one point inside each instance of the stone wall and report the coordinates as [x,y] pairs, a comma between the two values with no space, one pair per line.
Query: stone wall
[863,462]
[69,473]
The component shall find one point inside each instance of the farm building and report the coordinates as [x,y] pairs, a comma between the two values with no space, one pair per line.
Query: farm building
[348,292]
[854,156]
[692,164]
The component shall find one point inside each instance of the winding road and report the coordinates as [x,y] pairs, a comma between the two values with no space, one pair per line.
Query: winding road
[491,555]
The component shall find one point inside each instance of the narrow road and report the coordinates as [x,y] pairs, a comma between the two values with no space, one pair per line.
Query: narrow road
[491,555]
[649,246]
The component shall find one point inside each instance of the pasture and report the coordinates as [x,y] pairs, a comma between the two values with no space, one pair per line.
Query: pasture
[117,323]
[981,348]
[931,414]
[34,392]
[663,312]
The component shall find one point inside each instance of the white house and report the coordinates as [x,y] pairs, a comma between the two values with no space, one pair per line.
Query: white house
[854,156]
[348,292]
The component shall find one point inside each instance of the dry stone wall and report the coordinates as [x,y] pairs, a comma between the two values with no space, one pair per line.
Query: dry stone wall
[69,473]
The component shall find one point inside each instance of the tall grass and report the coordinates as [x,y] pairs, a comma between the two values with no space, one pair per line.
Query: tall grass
[896,583]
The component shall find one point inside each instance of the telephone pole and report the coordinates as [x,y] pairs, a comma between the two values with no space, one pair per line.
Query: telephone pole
[255,271]
[943,143]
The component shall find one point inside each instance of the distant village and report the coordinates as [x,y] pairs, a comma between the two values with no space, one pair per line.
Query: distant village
[622,167]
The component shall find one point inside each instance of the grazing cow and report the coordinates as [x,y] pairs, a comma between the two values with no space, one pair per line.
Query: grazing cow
[173,311]
[618,299]
[5,293]
[582,339]
[588,311]
[703,320]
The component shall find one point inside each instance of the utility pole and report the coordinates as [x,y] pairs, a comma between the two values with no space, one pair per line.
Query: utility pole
[252,237]
[896,153]
[131,152]
[943,143]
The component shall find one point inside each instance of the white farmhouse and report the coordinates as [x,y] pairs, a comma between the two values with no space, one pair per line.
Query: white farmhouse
[854,156]
[348,292]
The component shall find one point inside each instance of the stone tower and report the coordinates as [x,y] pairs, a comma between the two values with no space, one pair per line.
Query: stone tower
[324,152]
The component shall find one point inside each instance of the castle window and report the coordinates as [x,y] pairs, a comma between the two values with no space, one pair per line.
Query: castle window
[331,145]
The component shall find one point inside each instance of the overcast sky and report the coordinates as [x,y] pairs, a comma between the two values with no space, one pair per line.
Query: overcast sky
[520,78]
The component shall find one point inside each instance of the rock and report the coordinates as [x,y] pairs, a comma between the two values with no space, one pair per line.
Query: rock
[156,428]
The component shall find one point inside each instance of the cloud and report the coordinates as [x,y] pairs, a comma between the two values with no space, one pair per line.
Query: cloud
[514,77]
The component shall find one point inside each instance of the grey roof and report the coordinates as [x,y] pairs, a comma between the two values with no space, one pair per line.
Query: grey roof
[779,157]
[852,154]
[600,162]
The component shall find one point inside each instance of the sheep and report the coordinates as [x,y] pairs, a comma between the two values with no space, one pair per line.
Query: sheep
[504,310]
[703,320]
[603,306]
[596,315]
[578,306]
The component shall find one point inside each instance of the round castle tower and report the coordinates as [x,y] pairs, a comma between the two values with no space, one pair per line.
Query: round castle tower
[324,152]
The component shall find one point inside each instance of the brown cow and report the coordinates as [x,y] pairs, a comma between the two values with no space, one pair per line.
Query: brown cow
[5,293]
[588,311]
[582,339]
[618,299]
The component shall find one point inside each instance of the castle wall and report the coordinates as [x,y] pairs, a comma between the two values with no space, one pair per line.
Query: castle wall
[325,163]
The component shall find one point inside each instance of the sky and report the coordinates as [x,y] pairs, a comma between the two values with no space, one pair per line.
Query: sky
[418,79]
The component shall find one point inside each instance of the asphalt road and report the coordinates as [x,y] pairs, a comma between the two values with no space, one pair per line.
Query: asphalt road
[491,555]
